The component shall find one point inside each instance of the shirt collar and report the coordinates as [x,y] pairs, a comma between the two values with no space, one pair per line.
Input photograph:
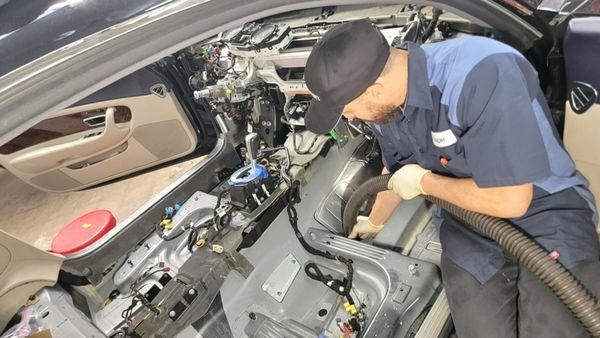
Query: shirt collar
[418,93]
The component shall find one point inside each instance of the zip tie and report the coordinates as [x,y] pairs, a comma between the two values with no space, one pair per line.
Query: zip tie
[265,190]
[256,199]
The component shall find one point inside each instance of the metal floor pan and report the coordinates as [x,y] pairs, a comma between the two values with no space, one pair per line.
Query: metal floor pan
[395,288]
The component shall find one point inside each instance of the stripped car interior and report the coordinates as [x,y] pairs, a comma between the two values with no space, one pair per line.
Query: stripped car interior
[251,242]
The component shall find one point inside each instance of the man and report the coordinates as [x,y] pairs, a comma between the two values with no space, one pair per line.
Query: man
[466,121]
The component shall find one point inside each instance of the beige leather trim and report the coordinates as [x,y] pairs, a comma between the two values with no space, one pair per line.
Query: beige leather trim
[159,131]
[24,270]
[582,142]
[51,157]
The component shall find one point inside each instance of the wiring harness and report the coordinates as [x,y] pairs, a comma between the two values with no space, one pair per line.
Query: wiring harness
[342,287]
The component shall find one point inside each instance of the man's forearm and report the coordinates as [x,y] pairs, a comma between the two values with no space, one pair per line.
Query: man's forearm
[384,206]
[504,202]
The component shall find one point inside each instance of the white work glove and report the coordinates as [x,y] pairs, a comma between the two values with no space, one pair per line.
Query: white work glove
[364,228]
[406,182]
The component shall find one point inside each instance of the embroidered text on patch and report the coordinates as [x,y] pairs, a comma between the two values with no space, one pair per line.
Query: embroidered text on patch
[443,138]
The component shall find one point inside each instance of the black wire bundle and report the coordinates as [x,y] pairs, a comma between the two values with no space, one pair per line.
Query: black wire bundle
[226,219]
[293,198]
[219,198]
[192,239]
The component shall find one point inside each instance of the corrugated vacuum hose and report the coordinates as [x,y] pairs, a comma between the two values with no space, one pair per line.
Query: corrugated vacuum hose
[563,284]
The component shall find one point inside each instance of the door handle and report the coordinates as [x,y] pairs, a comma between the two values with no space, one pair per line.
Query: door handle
[95,121]
[51,157]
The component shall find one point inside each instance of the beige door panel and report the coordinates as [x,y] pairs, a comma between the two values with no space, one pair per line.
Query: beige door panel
[24,270]
[135,156]
[581,140]
[52,157]
[158,131]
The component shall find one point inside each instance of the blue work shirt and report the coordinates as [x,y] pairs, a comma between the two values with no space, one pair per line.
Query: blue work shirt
[474,109]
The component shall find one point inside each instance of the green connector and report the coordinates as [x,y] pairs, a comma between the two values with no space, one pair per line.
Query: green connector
[333,134]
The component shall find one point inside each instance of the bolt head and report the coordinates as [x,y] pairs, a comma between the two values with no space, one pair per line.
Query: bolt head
[172,314]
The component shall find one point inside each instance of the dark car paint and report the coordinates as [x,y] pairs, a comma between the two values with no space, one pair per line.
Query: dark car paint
[32,28]
[581,49]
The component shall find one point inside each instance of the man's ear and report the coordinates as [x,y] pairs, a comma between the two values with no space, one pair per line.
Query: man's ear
[376,91]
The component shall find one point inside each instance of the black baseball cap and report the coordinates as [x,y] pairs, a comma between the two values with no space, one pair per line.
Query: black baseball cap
[342,65]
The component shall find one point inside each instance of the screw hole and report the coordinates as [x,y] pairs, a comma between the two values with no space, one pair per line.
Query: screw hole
[322,312]
[45,314]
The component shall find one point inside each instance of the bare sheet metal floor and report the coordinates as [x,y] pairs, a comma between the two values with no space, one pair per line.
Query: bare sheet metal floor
[35,216]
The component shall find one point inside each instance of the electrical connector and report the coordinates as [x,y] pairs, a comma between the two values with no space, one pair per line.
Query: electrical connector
[350,308]
[166,224]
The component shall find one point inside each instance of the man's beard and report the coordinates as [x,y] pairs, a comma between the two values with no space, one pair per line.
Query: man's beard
[383,114]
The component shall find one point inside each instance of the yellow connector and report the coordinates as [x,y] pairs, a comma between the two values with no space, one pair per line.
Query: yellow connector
[166,223]
[351,309]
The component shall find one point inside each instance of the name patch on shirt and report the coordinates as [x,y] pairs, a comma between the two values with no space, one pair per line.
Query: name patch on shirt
[443,139]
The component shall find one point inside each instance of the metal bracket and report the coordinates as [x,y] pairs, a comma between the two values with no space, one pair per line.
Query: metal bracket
[280,280]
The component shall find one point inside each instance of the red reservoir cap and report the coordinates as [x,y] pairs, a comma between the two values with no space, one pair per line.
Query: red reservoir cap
[83,231]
